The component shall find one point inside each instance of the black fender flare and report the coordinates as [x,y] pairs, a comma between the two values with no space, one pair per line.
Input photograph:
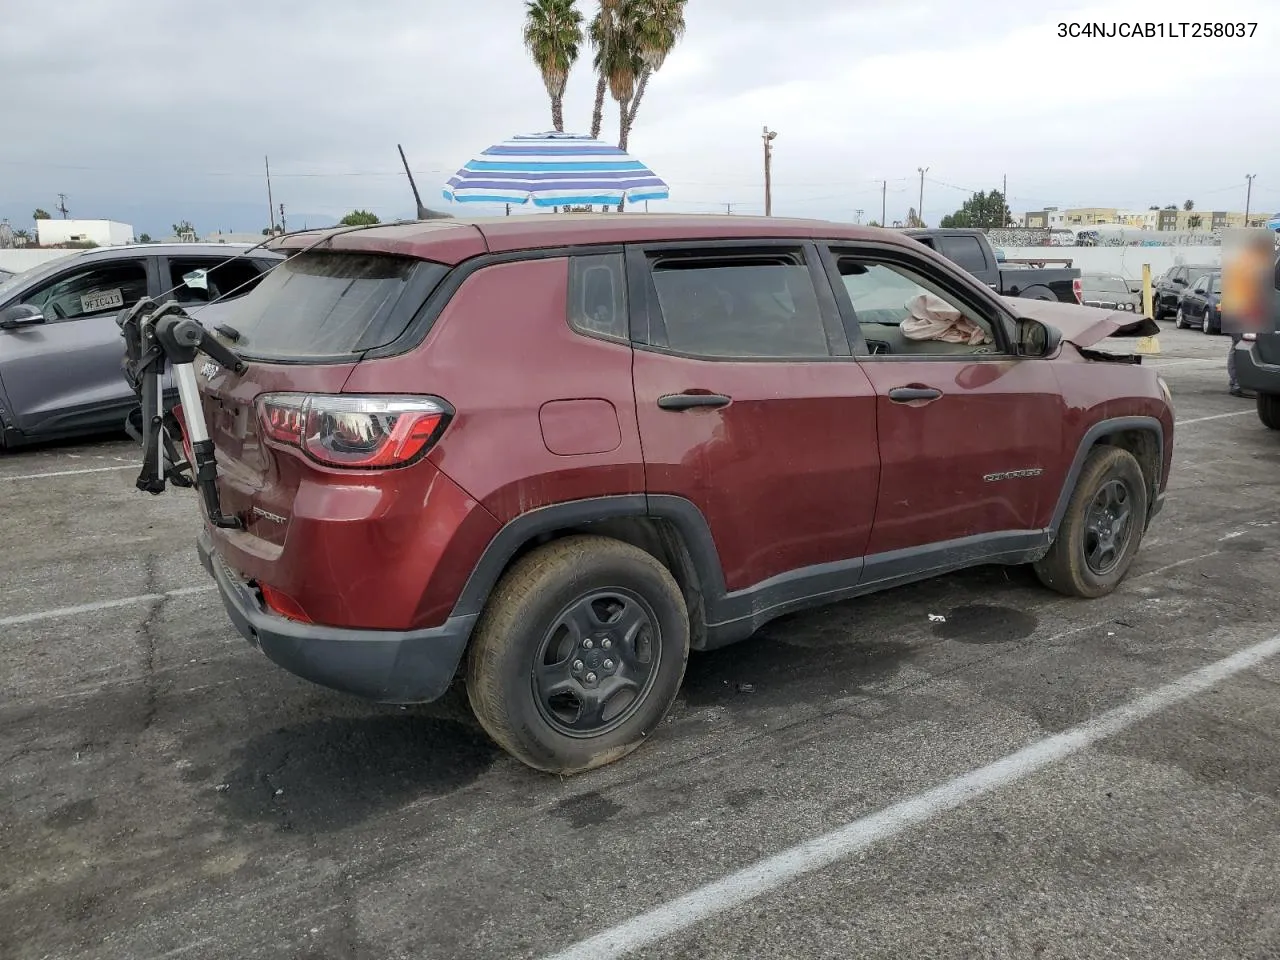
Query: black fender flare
[1104,428]
[515,533]
[1037,291]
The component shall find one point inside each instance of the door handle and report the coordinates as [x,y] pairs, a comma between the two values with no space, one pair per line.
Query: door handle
[907,394]
[687,401]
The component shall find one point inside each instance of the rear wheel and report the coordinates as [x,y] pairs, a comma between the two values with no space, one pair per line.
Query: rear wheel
[1102,528]
[1269,410]
[579,654]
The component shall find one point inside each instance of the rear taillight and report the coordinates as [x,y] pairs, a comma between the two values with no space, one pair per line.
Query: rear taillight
[1078,289]
[357,432]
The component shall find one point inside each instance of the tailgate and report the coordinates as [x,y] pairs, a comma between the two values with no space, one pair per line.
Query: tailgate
[257,482]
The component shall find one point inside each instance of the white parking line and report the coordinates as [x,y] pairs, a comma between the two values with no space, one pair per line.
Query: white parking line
[70,473]
[769,874]
[100,605]
[1216,416]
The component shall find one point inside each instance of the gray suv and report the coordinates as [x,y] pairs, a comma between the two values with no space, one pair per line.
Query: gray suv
[60,348]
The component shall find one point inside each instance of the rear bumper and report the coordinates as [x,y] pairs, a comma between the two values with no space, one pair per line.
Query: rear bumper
[387,666]
[1254,373]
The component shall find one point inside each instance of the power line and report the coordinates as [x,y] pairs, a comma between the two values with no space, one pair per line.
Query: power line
[277,174]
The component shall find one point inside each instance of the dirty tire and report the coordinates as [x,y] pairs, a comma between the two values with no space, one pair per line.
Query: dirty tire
[1269,410]
[524,610]
[1064,568]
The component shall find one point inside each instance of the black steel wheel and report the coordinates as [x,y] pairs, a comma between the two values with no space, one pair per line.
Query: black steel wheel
[1102,528]
[1108,525]
[597,662]
[579,653]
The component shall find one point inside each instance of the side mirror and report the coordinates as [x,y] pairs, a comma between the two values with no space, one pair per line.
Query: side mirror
[20,315]
[1036,339]
[1179,282]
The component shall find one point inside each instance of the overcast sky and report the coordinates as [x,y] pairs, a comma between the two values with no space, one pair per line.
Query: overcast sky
[152,111]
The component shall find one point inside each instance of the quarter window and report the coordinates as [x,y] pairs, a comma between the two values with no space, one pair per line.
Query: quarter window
[598,296]
[736,305]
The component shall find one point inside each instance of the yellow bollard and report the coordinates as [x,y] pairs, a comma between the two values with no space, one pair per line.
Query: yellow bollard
[1148,344]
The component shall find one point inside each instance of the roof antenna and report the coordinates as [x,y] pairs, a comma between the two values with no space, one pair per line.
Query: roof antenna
[423,212]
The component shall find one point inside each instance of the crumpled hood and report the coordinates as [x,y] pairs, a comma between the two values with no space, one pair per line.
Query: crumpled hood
[1083,326]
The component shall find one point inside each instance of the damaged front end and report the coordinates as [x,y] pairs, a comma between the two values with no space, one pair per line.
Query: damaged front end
[1091,329]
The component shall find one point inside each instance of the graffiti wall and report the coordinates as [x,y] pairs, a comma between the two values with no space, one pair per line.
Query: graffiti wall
[1123,261]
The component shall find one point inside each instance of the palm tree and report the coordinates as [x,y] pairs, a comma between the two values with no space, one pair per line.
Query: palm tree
[552,35]
[654,29]
[605,33]
[632,39]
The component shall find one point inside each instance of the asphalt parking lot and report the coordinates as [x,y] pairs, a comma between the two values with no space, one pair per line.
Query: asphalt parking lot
[165,791]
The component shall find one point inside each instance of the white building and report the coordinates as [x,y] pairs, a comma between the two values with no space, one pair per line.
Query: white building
[105,233]
[1141,219]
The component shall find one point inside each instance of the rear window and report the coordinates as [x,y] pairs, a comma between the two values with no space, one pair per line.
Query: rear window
[320,306]
[1108,284]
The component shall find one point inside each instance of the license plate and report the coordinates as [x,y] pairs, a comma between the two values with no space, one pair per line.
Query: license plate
[101,300]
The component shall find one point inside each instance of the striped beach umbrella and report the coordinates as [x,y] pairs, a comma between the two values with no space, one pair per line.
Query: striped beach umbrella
[554,170]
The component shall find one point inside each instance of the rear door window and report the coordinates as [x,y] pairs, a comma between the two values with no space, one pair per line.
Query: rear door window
[737,306]
[203,279]
[332,305]
[966,253]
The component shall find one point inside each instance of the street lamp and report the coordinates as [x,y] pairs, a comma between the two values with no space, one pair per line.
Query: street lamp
[768,136]
[920,205]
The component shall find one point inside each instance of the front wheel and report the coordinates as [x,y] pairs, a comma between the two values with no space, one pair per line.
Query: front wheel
[1103,526]
[579,654]
[1179,320]
[1269,410]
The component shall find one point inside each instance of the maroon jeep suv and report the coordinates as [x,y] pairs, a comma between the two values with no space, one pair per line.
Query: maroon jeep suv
[547,456]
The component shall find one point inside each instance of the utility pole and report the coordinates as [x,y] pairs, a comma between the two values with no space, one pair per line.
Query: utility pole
[767,136]
[728,209]
[884,190]
[62,205]
[283,228]
[920,205]
[271,207]
[1004,195]
[858,216]
[1248,196]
